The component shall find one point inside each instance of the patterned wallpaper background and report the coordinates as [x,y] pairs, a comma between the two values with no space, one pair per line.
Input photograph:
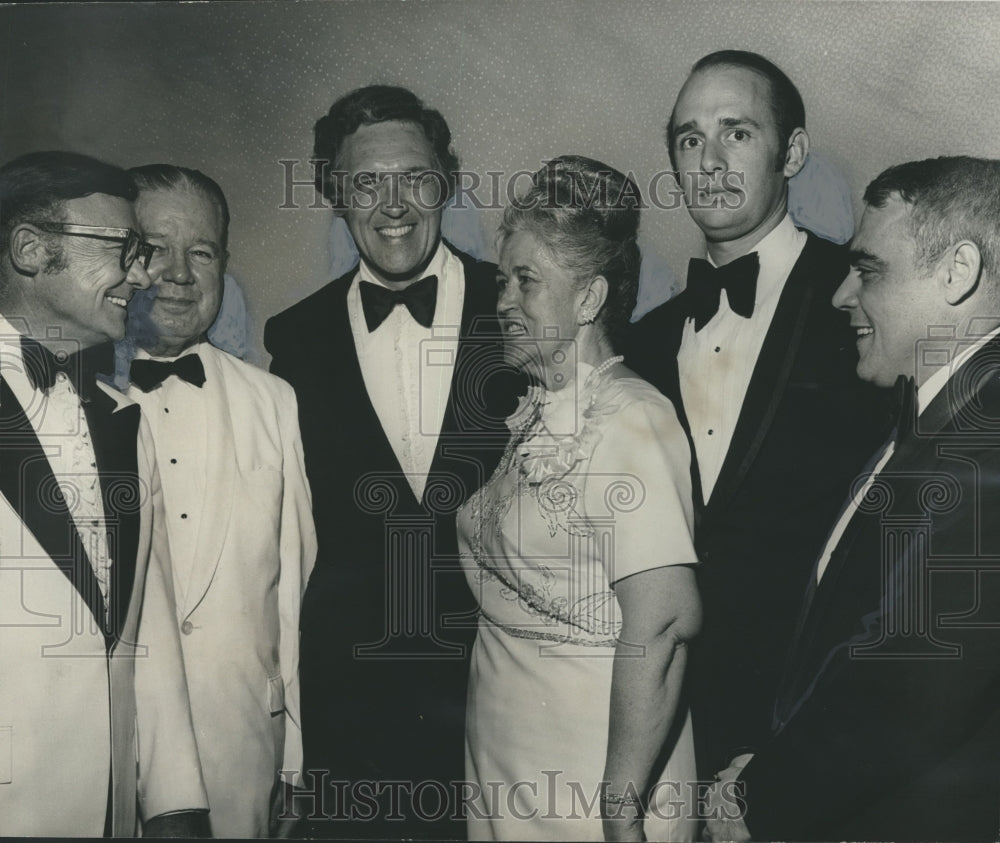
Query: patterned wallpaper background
[233,88]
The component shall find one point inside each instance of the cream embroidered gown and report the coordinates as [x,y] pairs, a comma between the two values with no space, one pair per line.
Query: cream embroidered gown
[596,486]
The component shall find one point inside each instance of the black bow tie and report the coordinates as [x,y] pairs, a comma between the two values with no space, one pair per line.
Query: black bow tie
[705,284]
[41,365]
[149,374]
[420,299]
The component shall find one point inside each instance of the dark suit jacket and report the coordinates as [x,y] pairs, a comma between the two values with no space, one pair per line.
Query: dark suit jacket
[387,620]
[887,725]
[806,428]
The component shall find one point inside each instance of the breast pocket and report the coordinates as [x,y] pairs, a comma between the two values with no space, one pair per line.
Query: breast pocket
[275,694]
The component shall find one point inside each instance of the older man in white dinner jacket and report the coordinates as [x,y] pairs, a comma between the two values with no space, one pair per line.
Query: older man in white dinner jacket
[239,512]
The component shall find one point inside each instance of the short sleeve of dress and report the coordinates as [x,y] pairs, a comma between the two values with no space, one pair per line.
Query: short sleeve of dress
[638,486]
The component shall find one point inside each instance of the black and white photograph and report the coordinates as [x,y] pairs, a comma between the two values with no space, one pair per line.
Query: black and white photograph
[500,420]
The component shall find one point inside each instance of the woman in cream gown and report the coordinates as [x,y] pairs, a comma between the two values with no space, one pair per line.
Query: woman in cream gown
[579,547]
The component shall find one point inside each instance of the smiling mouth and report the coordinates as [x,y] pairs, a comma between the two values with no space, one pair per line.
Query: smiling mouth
[117,300]
[514,329]
[395,231]
[863,331]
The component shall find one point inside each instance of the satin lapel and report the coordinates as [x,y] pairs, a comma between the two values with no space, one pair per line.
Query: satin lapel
[349,382]
[27,481]
[479,327]
[767,384]
[220,471]
[671,387]
[114,433]
[674,330]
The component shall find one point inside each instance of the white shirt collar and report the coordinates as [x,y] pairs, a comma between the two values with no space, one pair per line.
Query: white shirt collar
[10,337]
[929,389]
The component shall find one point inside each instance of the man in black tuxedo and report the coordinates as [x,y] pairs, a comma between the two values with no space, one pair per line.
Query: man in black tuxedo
[761,369]
[887,725]
[399,427]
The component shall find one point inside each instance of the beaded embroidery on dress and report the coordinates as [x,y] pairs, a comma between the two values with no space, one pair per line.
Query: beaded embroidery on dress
[543,471]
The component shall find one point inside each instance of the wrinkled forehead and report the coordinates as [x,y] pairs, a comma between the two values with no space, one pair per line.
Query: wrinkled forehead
[166,210]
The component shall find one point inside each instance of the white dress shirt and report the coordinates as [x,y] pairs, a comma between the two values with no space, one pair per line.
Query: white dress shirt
[407,368]
[177,414]
[59,422]
[925,394]
[716,363]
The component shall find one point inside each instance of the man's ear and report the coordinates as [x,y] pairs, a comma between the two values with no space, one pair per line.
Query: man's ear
[593,300]
[796,152]
[962,268]
[29,252]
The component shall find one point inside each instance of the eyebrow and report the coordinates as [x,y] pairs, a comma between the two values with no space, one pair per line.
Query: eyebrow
[684,127]
[727,122]
[857,256]
[730,122]
[203,241]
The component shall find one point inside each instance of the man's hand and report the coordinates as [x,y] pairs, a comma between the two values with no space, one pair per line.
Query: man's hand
[722,823]
[719,828]
[185,824]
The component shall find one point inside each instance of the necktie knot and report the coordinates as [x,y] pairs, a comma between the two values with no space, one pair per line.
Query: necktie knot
[149,374]
[706,283]
[420,298]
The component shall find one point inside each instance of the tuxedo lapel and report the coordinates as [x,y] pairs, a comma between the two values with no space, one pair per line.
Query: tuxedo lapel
[674,330]
[960,400]
[361,418]
[220,470]
[27,481]
[768,382]
[801,663]
[484,387]
[478,329]
[114,433]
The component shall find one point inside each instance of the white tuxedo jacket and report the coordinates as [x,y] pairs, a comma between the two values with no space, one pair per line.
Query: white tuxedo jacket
[78,709]
[238,610]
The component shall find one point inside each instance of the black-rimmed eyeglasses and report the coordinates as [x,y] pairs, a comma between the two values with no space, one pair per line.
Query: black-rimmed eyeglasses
[132,244]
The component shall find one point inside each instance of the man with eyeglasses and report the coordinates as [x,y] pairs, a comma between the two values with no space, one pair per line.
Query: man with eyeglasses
[93,704]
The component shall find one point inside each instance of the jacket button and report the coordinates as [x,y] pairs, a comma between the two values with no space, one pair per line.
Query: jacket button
[187,627]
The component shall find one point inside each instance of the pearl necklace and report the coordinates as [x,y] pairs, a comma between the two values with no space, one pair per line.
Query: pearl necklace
[607,364]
